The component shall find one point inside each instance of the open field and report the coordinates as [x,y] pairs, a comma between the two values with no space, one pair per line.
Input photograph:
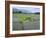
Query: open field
[26,21]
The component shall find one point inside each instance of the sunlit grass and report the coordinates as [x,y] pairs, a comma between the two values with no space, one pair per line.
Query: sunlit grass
[25,18]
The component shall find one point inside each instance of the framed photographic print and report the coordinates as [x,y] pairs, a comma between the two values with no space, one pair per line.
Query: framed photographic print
[24,18]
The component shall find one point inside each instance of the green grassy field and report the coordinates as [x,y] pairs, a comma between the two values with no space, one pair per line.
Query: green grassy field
[26,21]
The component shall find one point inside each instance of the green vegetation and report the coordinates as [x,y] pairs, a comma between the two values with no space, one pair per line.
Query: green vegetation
[22,18]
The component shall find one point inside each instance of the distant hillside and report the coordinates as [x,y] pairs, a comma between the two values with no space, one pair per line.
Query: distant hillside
[37,13]
[15,10]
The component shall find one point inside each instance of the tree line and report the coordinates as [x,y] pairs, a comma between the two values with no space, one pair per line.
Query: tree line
[25,13]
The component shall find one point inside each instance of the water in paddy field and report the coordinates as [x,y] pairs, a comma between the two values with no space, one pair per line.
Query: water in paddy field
[26,25]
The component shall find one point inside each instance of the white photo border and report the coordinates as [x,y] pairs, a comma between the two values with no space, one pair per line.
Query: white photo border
[25,31]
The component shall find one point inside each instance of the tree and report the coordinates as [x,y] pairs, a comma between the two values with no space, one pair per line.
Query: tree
[20,12]
[16,11]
